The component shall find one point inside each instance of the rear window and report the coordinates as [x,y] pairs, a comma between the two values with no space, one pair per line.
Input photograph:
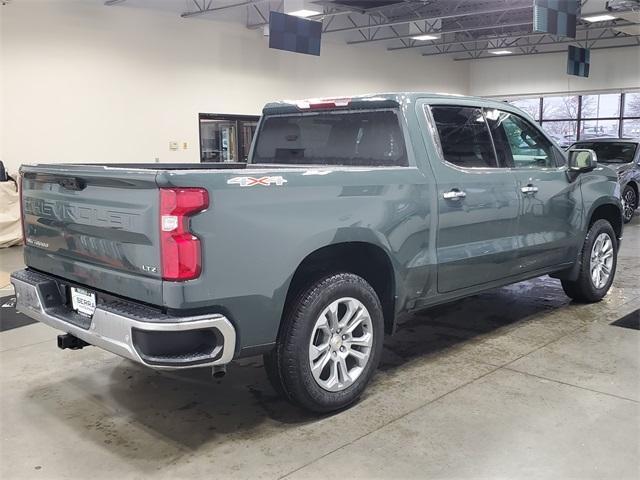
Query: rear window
[610,152]
[368,138]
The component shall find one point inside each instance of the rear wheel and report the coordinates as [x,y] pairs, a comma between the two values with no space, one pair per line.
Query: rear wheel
[598,264]
[329,345]
[629,203]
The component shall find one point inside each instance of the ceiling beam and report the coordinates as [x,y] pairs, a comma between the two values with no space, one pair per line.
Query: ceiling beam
[507,37]
[515,45]
[433,43]
[442,32]
[209,8]
[327,14]
[430,17]
[635,44]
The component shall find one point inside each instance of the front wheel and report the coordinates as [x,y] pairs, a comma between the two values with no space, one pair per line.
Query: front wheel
[598,264]
[329,345]
[629,203]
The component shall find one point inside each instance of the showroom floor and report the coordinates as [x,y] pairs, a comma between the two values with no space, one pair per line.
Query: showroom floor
[517,382]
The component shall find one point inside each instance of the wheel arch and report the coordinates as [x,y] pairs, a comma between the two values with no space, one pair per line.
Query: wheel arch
[367,260]
[609,211]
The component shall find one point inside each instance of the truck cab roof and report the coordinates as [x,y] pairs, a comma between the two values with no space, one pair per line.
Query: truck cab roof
[373,100]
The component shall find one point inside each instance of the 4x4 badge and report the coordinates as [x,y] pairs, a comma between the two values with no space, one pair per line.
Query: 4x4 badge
[251,181]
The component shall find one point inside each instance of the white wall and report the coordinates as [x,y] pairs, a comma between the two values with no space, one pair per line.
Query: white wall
[611,69]
[88,83]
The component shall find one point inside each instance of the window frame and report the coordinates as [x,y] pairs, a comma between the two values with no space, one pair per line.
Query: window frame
[535,126]
[438,142]
[580,118]
[402,123]
[238,119]
[557,156]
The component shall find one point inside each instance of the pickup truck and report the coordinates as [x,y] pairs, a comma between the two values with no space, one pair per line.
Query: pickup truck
[350,215]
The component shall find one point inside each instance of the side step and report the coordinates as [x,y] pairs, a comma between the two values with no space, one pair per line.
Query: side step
[69,341]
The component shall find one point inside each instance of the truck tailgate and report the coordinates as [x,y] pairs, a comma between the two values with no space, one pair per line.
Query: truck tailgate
[96,226]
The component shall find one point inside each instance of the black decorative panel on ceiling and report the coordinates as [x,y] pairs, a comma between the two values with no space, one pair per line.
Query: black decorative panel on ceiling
[294,34]
[578,61]
[558,17]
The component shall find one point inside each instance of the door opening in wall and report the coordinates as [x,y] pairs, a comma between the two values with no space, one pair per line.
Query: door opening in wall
[226,138]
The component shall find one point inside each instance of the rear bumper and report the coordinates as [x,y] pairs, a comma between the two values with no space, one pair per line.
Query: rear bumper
[128,329]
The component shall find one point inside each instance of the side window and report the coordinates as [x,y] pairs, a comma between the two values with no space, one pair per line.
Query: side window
[464,136]
[519,143]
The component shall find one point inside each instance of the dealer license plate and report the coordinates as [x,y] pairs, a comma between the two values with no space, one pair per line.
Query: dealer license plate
[83,301]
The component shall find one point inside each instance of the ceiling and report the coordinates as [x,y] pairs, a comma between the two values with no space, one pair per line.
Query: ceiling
[461,29]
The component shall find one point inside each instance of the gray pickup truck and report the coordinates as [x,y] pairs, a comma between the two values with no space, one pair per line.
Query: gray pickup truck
[350,215]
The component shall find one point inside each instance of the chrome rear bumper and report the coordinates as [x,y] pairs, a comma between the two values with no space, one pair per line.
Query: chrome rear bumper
[130,330]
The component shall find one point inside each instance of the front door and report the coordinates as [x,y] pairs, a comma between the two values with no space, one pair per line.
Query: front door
[550,203]
[477,201]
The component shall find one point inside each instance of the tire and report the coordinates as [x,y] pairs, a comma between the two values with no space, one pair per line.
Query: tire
[307,330]
[629,203]
[585,288]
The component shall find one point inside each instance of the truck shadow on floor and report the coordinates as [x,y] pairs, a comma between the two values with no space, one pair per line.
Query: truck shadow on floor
[186,410]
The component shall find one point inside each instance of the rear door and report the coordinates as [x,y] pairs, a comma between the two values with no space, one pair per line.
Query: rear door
[550,215]
[95,225]
[477,200]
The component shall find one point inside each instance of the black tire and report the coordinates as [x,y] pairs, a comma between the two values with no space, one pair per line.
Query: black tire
[630,203]
[288,366]
[583,289]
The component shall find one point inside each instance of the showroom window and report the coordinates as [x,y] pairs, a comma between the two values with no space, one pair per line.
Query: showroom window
[581,117]
[226,138]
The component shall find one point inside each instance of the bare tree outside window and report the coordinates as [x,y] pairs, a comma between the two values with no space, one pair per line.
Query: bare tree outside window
[598,115]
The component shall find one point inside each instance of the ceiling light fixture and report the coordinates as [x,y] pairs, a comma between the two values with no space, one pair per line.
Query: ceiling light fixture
[500,52]
[599,18]
[426,37]
[305,13]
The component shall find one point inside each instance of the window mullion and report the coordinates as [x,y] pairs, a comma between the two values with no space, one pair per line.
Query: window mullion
[579,119]
[620,127]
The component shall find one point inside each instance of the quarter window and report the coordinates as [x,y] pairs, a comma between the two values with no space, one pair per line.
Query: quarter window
[464,136]
[519,143]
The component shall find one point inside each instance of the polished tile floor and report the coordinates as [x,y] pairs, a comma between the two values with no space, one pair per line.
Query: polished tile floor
[515,383]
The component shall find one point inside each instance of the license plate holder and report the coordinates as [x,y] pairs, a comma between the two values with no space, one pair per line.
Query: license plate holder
[83,301]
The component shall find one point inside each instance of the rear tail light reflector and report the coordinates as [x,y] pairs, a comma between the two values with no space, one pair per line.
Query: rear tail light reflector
[181,251]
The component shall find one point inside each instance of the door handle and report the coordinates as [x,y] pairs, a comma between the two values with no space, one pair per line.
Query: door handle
[454,194]
[529,190]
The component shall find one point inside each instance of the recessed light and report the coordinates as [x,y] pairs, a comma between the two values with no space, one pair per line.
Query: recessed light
[500,52]
[425,37]
[305,13]
[599,18]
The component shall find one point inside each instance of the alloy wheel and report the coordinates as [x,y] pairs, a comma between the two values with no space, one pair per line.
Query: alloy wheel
[628,204]
[601,260]
[341,344]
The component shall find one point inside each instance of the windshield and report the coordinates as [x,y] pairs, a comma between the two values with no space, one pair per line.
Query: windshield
[355,138]
[611,152]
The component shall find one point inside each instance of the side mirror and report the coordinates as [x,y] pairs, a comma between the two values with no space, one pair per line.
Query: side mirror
[582,160]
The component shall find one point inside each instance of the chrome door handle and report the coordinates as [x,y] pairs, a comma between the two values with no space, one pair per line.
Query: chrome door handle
[454,195]
[529,190]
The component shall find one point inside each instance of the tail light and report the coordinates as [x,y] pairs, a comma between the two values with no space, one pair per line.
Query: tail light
[22,219]
[181,251]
